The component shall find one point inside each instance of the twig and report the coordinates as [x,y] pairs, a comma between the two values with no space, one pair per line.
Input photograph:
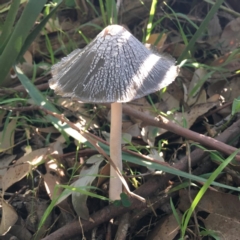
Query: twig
[163,122]
[40,87]
[91,140]
[147,189]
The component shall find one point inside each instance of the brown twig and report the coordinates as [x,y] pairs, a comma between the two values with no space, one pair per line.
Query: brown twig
[20,88]
[163,122]
[91,139]
[146,190]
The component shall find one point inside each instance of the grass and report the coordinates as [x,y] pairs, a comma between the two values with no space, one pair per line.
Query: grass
[23,34]
[187,215]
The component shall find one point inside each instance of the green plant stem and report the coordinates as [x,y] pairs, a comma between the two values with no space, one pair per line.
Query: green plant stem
[203,190]
[150,20]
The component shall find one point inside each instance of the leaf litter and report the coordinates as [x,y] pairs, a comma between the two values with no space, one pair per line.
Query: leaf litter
[182,102]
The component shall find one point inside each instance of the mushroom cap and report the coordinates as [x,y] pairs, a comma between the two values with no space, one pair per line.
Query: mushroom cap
[114,67]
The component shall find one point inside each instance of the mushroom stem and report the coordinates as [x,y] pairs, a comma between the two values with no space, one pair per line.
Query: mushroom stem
[115,186]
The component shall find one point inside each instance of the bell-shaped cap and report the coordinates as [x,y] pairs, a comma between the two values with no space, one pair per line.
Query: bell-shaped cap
[114,67]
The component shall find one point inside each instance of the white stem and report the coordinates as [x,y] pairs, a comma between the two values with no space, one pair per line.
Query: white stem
[115,187]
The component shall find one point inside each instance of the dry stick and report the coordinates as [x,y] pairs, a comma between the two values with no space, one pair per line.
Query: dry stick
[156,182]
[62,118]
[42,86]
[163,122]
[89,137]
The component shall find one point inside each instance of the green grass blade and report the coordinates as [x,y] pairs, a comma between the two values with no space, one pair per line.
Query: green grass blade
[8,24]
[200,83]
[111,10]
[19,35]
[36,31]
[153,165]
[40,100]
[93,7]
[150,20]
[204,189]
[175,212]
[103,12]
[198,33]
[179,25]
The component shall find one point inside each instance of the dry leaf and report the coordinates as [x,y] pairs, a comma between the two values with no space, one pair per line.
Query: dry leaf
[223,215]
[227,90]
[166,229]
[7,137]
[87,176]
[197,76]
[175,49]
[230,38]
[4,162]
[187,118]
[228,65]
[157,39]
[130,128]
[25,164]
[28,57]
[85,119]
[9,217]
[214,30]
[168,103]
[21,232]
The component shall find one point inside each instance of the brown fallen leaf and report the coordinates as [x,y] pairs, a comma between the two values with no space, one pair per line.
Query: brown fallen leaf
[167,228]
[221,209]
[157,40]
[25,164]
[9,217]
[230,38]
[4,162]
[7,137]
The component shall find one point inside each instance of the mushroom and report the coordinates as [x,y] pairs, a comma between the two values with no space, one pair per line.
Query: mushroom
[114,68]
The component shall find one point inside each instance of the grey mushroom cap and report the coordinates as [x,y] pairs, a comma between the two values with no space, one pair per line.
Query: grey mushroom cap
[114,67]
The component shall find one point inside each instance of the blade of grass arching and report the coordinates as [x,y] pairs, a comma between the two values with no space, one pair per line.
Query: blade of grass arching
[19,35]
[103,12]
[55,200]
[49,48]
[4,7]
[201,28]
[150,20]
[225,9]
[30,38]
[184,37]
[40,100]
[204,189]
[8,24]
[87,41]
[185,17]
[153,165]
[92,25]
[93,7]
[175,212]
